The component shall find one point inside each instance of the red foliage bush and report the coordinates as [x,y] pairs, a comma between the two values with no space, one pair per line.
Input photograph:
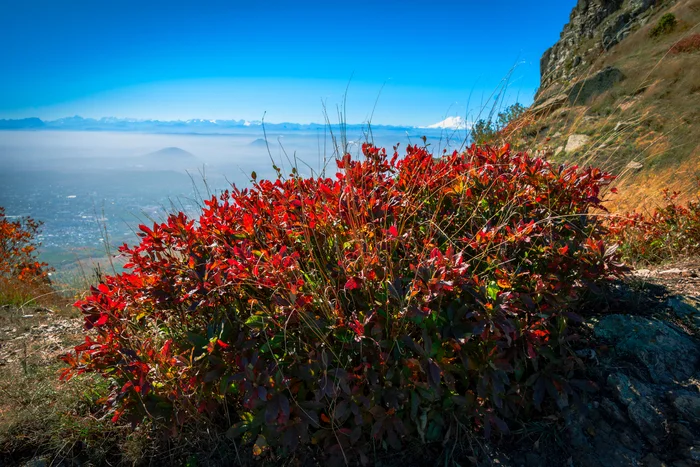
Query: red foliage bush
[687,44]
[19,267]
[390,302]
[671,231]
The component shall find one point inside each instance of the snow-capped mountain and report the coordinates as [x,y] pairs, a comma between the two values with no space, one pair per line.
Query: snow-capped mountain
[451,123]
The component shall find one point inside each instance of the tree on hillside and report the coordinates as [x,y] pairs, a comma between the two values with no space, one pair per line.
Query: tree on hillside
[485,130]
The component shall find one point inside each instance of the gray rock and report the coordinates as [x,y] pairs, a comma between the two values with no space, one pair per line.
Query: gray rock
[612,410]
[642,406]
[649,419]
[628,390]
[651,461]
[657,345]
[550,104]
[681,434]
[608,21]
[576,142]
[584,90]
[687,404]
[687,309]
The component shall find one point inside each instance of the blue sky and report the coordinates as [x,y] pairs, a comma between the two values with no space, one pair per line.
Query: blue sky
[236,60]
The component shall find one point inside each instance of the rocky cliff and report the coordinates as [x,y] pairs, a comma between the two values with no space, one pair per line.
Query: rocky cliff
[594,26]
[617,94]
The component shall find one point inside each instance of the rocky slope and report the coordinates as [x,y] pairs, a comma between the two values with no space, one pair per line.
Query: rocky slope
[616,95]
[594,26]
[645,358]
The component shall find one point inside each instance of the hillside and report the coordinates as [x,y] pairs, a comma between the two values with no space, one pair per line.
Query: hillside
[621,91]
[170,159]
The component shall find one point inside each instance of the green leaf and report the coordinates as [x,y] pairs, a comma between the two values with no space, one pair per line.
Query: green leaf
[492,290]
[256,322]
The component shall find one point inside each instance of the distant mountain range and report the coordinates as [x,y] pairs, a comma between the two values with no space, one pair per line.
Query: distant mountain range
[78,123]
[201,126]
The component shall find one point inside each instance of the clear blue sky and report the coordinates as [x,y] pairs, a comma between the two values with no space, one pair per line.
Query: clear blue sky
[236,60]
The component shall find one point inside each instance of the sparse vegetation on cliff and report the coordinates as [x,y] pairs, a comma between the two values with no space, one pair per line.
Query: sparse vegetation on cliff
[666,24]
[634,97]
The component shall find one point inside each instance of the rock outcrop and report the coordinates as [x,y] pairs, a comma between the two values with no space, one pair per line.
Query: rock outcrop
[594,27]
[633,91]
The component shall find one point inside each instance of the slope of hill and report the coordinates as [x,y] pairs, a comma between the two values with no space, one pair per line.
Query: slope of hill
[169,159]
[621,90]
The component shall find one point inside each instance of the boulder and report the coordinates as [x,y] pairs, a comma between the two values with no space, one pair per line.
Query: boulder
[583,91]
[550,104]
[576,142]
[657,345]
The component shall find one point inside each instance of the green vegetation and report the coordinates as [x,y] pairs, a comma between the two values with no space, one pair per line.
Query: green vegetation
[486,130]
[666,24]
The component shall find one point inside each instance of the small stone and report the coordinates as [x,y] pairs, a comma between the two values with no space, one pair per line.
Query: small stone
[693,453]
[671,271]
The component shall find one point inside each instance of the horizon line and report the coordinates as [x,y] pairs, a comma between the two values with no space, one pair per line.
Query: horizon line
[464,123]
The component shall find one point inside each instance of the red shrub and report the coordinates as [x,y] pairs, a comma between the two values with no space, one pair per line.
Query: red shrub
[20,271]
[671,231]
[687,44]
[391,301]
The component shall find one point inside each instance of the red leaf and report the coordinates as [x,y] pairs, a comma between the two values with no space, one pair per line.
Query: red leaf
[222,344]
[248,222]
[352,283]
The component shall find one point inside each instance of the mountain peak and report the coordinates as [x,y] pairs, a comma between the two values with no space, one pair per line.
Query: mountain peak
[450,123]
[171,153]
